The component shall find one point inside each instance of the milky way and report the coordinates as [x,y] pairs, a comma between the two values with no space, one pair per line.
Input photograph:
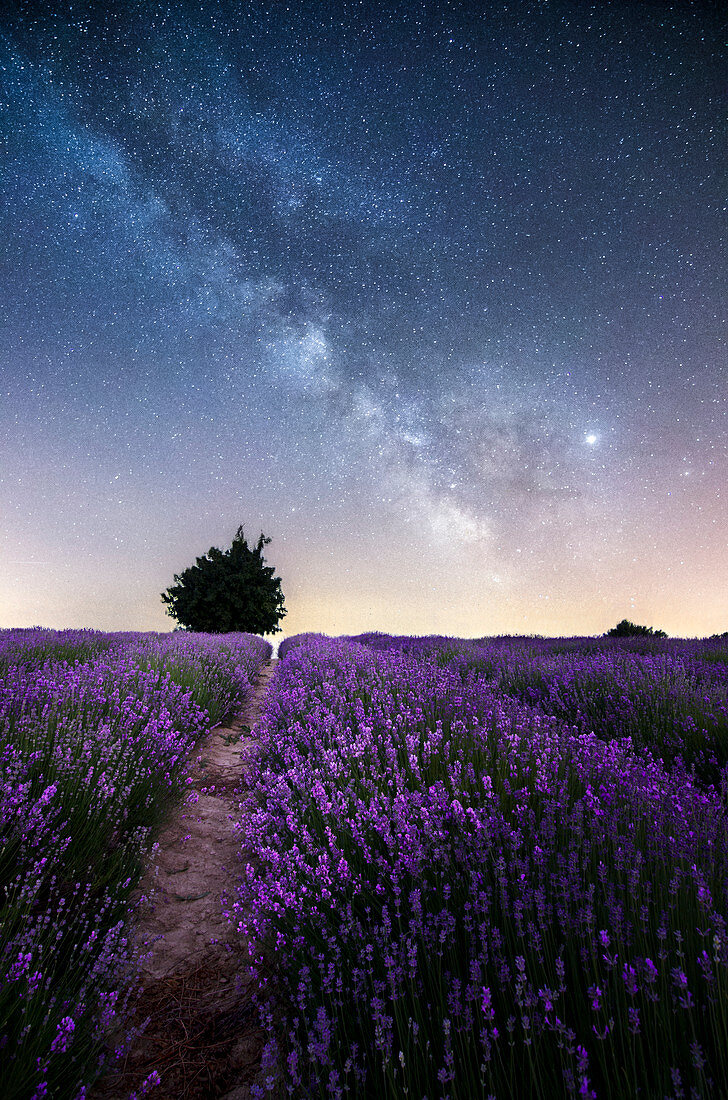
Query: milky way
[431,293]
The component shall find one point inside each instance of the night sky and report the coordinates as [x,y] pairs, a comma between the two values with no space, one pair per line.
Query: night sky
[431,293]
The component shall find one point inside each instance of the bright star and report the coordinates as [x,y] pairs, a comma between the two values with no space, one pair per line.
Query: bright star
[591,439]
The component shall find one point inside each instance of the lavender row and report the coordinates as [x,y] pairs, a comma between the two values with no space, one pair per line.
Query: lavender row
[465,896]
[94,733]
[667,695]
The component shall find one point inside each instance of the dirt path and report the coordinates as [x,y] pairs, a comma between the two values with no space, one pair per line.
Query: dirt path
[202,1038]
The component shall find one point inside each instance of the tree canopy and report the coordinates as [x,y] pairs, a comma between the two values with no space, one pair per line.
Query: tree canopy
[626,629]
[228,590]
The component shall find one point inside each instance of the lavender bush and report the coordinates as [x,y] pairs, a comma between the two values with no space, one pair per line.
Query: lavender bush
[465,894]
[94,732]
[671,696]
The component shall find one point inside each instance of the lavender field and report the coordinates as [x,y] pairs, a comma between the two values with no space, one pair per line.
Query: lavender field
[94,732]
[491,869]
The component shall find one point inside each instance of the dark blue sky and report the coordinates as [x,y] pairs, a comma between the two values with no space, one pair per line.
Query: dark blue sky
[432,293]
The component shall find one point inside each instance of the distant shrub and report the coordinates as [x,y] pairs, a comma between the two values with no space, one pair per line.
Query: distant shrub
[626,629]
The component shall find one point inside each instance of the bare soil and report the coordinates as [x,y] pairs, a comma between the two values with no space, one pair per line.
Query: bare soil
[202,1035]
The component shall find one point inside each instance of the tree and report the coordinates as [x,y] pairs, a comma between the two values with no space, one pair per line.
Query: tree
[231,590]
[626,629]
